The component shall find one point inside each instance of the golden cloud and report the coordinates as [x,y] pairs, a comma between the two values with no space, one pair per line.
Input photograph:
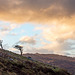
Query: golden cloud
[29,40]
[39,11]
[56,33]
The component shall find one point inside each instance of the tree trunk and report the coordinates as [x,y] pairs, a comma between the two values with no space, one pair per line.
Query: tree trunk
[21,52]
[1,46]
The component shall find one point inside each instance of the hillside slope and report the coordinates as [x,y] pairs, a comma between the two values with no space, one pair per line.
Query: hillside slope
[64,62]
[14,64]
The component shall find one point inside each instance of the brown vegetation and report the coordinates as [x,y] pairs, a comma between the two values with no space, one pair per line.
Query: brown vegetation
[14,64]
[64,62]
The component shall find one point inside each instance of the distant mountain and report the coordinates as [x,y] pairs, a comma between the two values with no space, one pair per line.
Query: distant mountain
[63,62]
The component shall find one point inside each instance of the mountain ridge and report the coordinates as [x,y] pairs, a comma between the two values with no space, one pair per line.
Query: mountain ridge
[15,64]
[63,62]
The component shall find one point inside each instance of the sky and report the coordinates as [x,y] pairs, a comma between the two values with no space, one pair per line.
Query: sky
[41,26]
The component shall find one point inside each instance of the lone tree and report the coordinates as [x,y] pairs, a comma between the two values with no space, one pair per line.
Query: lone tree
[19,48]
[1,44]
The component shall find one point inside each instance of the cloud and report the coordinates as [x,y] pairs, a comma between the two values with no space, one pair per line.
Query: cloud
[29,40]
[13,34]
[58,16]
[51,12]
[5,29]
[57,33]
[57,46]
[53,48]
[8,27]
[61,38]
[39,11]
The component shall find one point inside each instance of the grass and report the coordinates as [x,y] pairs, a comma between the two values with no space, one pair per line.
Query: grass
[14,64]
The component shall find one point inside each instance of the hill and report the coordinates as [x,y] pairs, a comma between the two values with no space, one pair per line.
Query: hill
[63,62]
[14,64]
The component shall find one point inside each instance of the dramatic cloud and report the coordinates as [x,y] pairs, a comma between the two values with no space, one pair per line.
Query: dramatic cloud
[56,16]
[43,11]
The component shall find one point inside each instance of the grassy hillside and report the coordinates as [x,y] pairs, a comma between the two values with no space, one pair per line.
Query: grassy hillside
[64,62]
[14,64]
